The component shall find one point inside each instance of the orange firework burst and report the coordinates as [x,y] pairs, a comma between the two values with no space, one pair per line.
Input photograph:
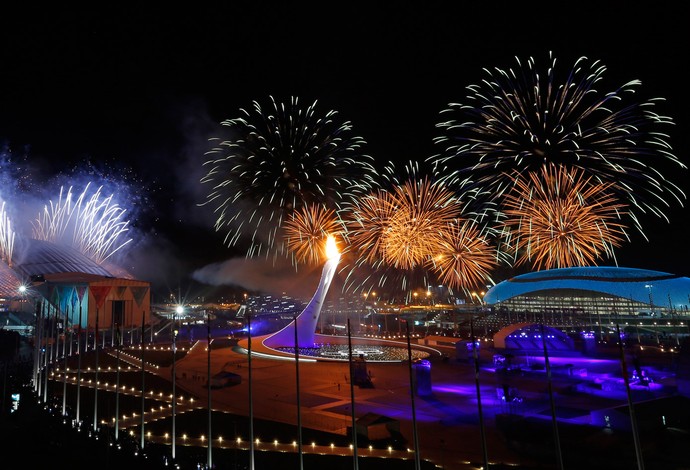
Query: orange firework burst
[306,231]
[464,258]
[368,224]
[394,234]
[423,212]
[561,219]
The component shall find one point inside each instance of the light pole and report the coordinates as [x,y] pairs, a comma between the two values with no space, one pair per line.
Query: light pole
[673,319]
[651,300]
[178,310]
[23,292]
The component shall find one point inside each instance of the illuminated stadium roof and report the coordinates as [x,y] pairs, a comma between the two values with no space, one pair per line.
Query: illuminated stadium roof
[36,257]
[626,283]
[33,258]
[9,282]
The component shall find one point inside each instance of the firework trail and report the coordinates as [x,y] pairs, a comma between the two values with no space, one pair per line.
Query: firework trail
[6,237]
[306,231]
[278,160]
[560,218]
[522,118]
[53,221]
[97,223]
[464,258]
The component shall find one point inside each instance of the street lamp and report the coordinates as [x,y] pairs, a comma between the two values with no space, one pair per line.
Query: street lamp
[23,291]
[651,301]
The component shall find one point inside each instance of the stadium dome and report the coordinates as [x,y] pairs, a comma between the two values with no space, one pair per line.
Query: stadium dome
[626,290]
[36,258]
[57,277]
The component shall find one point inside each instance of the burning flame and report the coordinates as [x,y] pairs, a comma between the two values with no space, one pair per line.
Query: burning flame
[331,248]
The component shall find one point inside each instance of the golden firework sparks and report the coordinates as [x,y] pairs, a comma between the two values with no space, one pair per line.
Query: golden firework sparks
[397,232]
[464,258]
[561,219]
[423,213]
[307,229]
[368,222]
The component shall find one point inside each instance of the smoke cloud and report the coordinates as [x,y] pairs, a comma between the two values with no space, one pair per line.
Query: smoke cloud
[261,275]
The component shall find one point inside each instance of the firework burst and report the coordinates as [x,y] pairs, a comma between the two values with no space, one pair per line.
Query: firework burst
[306,231]
[6,237]
[96,223]
[368,222]
[464,257]
[521,118]
[561,218]
[421,217]
[277,161]
[393,234]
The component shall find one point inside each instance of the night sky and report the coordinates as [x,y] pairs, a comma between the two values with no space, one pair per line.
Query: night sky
[145,89]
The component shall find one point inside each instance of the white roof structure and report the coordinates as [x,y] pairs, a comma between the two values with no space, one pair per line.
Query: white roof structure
[667,290]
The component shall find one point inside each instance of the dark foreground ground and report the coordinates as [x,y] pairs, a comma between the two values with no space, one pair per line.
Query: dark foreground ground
[36,436]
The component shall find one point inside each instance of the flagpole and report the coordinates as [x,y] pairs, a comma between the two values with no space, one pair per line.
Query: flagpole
[482,430]
[64,332]
[44,349]
[64,385]
[554,421]
[53,334]
[71,331]
[355,463]
[209,463]
[417,462]
[37,342]
[131,327]
[631,407]
[79,365]
[299,406]
[143,379]
[251,402]
[41,337]
[64,366]
[117,382]
[95,388]
[45,356]
[174,394]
